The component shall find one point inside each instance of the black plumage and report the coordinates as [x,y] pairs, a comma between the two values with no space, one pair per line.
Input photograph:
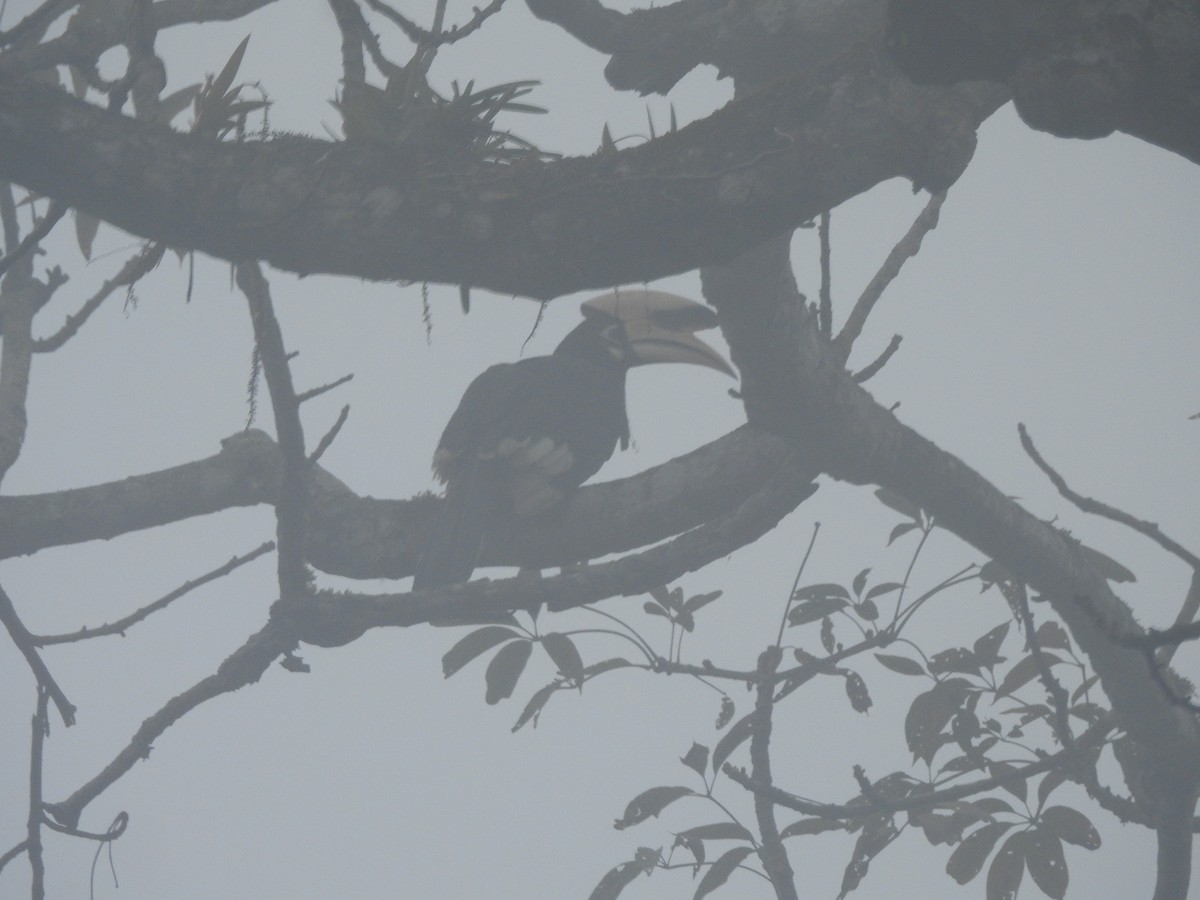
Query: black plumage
[527,434]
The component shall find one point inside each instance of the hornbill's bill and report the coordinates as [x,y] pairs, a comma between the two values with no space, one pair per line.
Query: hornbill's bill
[526,434]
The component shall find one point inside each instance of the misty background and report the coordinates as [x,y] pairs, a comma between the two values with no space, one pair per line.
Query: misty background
[1058,290]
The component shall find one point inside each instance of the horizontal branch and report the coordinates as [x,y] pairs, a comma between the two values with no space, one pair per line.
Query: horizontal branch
[761,165]
[363,537]
[330,618]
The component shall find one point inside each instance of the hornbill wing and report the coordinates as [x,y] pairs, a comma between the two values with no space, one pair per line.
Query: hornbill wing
[524,435]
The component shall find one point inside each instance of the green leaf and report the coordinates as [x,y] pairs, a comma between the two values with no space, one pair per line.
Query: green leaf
[812,826]
[701,600]
[1023,672]
[725,716]
[222,83]
[505,669]
[533,709]
[650,803]
[856,692]
[929,714]
[1072,826]
[815,609]
[617,879]
[880,589]
[1047,865]
[655,610]
[719,831]
[474,644]
[1051,634]
[827,640]
[173,104]
[86,226]
[606,142]
[718,873]
[732,740]
[900,530]
[867,610]
[563,652]
[1018,787]
[1007,869]
[954,659]
[821,591]
[968,857]
[986,647]
[901,664]
[1083,688]
[860,582]
[1052,780]
[696,759]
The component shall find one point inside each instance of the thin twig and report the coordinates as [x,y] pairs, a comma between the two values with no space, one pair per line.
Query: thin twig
[135,267]
[907,247]
[24,640]
[122,625]
[796,582]
[293,489]
[323,389]
[1058,694]
[244,666]
[33,825]
[330,435]
[825,311]
[54,212]
[771,852]
[871,370]
[1096,507]
[12,853]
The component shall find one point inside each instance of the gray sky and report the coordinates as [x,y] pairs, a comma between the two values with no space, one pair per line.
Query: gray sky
[1059,290]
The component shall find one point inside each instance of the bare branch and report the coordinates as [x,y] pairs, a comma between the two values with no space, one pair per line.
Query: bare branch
[329,436]
[12,853]
[872,369]
[772,853]
[135,267]
[1096,507]
[906,248]
[24,640]
[33,826]
[353,27]
[318,391]
[55,212]
[329,618]
[244,666]
[825,315]
[552,237]
[123,625]
[292,502]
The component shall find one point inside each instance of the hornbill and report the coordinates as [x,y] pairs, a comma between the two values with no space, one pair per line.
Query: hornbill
[526,434]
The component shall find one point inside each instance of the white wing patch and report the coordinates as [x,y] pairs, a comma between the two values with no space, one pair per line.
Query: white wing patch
[530,467]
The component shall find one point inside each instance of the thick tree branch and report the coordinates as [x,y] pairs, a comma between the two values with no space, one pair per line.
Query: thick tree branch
[333,619]
[541,228]
[1080,69]
[363,537]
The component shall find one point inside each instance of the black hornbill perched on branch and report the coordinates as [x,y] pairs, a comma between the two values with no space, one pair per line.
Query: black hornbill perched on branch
[526,434]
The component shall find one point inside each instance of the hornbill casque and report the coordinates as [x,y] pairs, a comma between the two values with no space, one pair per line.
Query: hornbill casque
[527,434]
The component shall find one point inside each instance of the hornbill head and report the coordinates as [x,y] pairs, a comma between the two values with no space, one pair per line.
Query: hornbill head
[640,327]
